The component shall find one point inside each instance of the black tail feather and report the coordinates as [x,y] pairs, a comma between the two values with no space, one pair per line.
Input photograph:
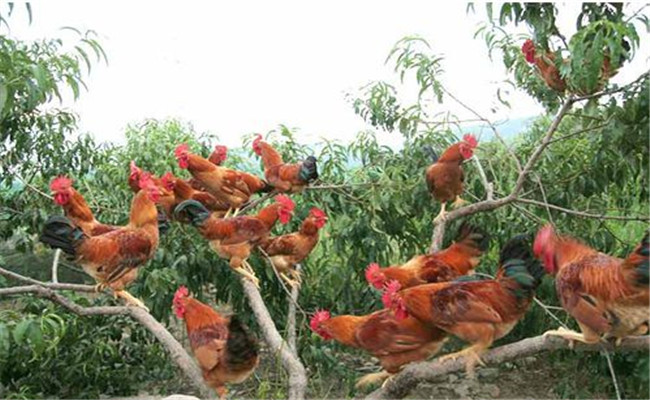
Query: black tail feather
[643,268]
[242,346]
[60,233]
[193,210]
[469,232]
[309,170]
[268,188]
[518,263]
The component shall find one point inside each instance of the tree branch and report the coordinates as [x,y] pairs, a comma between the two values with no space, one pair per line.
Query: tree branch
[583,213]
[291,363]
[613,91]
[55,266]
[400,385]
[291,316]
[173,347]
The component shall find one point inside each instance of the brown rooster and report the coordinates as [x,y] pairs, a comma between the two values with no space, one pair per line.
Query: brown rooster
[608,296]
[287,251]
[284,177]
[234,238]
[458,259]
[225,350]
[112,258]
[445,176]
[75,207]
[394,341]
[478,312]
[227,185]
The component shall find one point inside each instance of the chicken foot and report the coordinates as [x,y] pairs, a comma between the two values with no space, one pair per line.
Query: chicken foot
[248,273]
[373,378]
[572,336]
[442,215]
[472,353]
[459,202]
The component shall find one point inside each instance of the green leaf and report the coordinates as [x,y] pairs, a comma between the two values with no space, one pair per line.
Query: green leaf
[20,329]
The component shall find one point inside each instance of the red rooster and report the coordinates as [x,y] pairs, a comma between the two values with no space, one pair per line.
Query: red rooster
[478,312]
[445,176]
[112,258]
[225,350]
[284,177]
[545,64]
[608,296]
[234,238]
[458,259]
[394,341]
[287,251]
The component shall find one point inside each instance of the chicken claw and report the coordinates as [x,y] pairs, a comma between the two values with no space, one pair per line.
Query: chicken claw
[570,336]
[459,202]
[130,300]
[373,378]
[100,287]
[473,358]
[442,215]
[248,275]
[291,282]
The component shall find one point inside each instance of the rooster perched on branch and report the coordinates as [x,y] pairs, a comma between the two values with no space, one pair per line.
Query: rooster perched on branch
[287,251]
[394,341]
[227,185]
[460,258]
[225,350]
[608,296]
[234,238]
[445,176]
[112,258]
[284,177]
[478,312]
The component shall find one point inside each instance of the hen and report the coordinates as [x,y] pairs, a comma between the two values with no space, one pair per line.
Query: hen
[478,312]
[287,251]
[394,341]
[234,238]
[284,177]
[167,201]
[225,350]
[227,185]
[445,176]
[217,157]
[545,64]
[458,259]
[75,207]
[112,258]
[608,296]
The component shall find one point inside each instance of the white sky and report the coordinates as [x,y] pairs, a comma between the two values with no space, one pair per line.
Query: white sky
[232,68]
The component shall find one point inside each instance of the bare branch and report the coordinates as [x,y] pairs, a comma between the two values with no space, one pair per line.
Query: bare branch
[173,347]
[259,200]
[411,375]
[291,363]
[583,213]
[55,266]
[341,186]
[291,316]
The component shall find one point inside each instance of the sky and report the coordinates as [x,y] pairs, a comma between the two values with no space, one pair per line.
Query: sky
[232,68]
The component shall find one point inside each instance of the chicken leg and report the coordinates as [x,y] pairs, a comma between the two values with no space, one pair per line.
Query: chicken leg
[458,202]
[248,273]
[473,355]
[372,379]
[572,336]
[441,215]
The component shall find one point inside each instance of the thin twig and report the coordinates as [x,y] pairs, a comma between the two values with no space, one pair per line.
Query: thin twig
[259,200]
[55,266]
[613,91]
[583,213]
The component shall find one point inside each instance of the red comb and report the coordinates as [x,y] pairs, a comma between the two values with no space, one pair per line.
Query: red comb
[542,238]
[145,180]
[528,48]
[168,180]
[60,183]
[317,212]
[181,150]
[221,149]
[182,292]
[285,201]
[319,316]
[471,140]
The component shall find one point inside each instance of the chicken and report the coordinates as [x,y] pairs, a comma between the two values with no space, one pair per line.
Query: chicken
[284,177]
[394,341]
[287,251]
[458,259]
[75,207]
[112,258]
[478,312]
[234,238]
[167,201]
[183,190]
[545,64]
[225,350]
[227,185]
[217,157]
[445,176]
[608,296]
